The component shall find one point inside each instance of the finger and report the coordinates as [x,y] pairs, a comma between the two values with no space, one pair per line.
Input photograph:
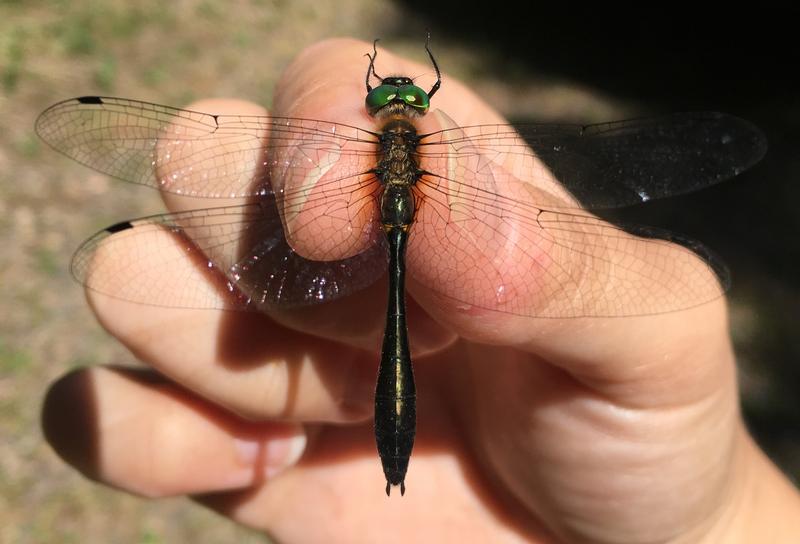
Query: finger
[243,361]
[338,483]
[325,79]
[346,503]
[257,145]
[246,363]
[179,155]
[326,82]
[594,265]
[135,431]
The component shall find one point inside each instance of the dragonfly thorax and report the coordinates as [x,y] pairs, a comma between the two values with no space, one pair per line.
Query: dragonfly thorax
[398,170]
[397,163]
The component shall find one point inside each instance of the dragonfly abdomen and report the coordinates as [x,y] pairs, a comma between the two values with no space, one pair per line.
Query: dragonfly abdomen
[395,392]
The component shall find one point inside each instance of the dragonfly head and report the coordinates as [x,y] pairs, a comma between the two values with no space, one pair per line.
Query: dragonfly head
[397,95]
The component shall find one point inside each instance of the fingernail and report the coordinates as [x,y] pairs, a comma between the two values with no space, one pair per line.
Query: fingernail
[283,453]
[309,165]
[275,455]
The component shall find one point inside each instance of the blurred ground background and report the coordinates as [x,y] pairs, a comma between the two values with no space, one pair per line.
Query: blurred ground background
[538,64]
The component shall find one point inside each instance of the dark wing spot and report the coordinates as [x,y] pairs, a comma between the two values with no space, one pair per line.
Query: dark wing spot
[122,225]
[90,100]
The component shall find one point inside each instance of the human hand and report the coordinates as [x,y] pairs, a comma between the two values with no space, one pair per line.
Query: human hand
[593,430]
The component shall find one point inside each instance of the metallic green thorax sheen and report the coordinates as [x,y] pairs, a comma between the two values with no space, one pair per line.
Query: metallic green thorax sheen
[411,95]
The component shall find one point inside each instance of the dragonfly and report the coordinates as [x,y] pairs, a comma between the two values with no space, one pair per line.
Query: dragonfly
[323,210]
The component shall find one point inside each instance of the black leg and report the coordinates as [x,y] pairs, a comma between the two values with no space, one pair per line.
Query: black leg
[435,67]
[371,67]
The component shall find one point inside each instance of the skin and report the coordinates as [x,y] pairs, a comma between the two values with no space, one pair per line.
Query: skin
[573,430]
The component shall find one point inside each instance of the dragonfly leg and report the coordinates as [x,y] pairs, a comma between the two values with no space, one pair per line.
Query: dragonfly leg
[435,67]
[371,67]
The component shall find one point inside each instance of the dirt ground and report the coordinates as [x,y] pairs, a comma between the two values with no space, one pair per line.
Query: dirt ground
[170,53]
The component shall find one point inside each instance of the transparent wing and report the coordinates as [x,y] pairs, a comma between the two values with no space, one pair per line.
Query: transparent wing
[228,258]
[511,253]
[615,164]
[192,153]
[603,165]
[494,227]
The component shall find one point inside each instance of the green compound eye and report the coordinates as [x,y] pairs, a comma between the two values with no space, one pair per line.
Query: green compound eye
[411,95]
[414,97]
[380,96]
